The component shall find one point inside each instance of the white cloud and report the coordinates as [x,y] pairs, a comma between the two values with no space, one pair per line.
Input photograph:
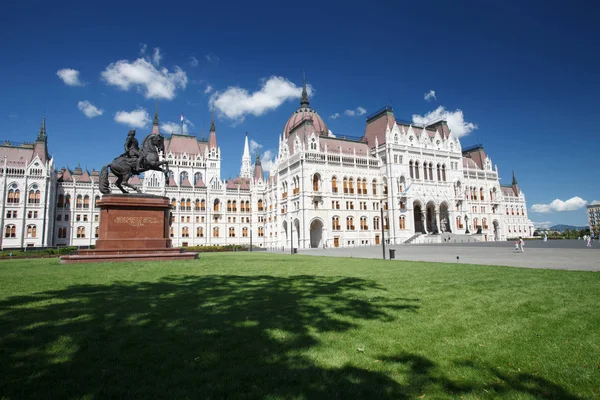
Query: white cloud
[335,116]
[358,111]
[208,89]
[543,224]
[70,77]
[143,47]
[211,58]
[430,95]
[136,119]
[574,203]
[268,160]
[456,121]
[254,146]
[89,109]
[595,202]
[235,102]
[330,134]
[156,57]
[145,77]
[194,61]
[175,127]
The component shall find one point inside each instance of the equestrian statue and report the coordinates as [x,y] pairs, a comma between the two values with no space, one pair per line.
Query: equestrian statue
[135,161]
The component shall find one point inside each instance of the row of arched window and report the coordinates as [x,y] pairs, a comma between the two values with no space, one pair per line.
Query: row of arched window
[348,185]
[62,232]
[515,211]
[200,205]
[231,231]
[364,224]
[14,196]
[64,201]
[415,167]
[10,231]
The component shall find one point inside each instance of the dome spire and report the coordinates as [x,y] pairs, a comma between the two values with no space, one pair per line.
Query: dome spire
[42,132]
[155,124]
[304,99]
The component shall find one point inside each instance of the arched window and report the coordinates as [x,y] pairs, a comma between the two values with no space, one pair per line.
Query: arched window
[260,205]
[346,185]
[349,223]
[401,185]
[335,224]
[402,222]
[188,204]
[216,231]
[351,185]
[261,231]
[81,232]
[334,188]
[61,201]
[200,232]
[439,172]
[197,205]
[244,232]
[363,224]
[171,232]
[430,171]
[316,179]
[231,231]
[248,208]
[234,206]
[79,201]
[374,186]
[364,186]
[417,170]
[34,197]
[96,199]
[182,177]
[86,201]
[481,194]
[459,223]
[484,223]
[376,223]
[444,172]
[411,169]
[216,208]
[96,231]
[313,145]
[228,205]
[202,205]
[10,231]
[174,202]
[197,177]
[31,231]
[68,201]
[185,232]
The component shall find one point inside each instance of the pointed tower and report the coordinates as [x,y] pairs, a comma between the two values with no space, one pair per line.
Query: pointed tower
[515,185]
[304,103]
[246,170]
[258,171]
[212,136]
[155,124]
[41,143]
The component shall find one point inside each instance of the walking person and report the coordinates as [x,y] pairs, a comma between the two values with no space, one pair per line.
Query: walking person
[522,245]
[589,241]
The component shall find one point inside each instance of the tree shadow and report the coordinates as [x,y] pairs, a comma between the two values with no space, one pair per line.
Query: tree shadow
[215,337]
[188,337]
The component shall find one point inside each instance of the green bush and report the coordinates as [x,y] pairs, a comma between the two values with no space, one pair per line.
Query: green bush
[215,249]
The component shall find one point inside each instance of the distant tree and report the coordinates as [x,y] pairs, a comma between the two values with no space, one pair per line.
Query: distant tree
[566,233]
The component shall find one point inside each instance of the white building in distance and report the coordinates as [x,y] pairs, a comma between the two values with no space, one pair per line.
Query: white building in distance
[415,182]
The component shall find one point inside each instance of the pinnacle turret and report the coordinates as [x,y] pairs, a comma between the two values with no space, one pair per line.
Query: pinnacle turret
[156,123]
[42,133]
[304,99]
[246,170]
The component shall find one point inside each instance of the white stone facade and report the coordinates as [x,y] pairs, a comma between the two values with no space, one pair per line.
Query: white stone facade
[322,191]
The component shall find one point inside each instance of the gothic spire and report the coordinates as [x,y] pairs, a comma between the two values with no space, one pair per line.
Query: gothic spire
[42,133]
[212,122]
[514,180]
[156,113]
[304,99]
[246,170]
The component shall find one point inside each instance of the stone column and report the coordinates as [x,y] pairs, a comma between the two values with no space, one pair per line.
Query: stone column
[437,221]
[424,220]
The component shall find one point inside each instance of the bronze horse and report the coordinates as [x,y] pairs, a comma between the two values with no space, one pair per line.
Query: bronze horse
[123,167]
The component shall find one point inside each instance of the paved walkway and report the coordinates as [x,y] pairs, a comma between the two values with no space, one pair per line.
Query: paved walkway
[569,255]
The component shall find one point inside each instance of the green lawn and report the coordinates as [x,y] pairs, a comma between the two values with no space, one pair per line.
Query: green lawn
[250,325]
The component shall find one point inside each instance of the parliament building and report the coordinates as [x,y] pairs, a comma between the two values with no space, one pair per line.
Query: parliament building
[416,183]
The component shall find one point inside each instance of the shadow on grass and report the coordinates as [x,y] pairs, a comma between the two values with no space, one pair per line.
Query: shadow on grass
[204,337]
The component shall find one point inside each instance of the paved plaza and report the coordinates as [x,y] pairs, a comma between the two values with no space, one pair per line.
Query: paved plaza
[559,254]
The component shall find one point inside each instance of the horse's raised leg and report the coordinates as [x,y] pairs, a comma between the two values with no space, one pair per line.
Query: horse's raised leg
[118,183]
[126,183]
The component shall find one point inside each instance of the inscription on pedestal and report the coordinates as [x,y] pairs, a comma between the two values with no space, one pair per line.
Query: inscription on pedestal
[137,221]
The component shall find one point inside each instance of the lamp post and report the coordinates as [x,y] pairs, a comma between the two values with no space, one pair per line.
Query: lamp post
[382,230]
[467,224]
[251,234]
[291,235]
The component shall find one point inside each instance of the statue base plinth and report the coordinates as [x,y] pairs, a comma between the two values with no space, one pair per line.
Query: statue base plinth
[133,227]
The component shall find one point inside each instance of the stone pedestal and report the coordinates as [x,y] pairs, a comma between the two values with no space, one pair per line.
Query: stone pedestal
[133,227]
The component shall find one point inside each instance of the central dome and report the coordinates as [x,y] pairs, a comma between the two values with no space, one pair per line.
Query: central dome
[305,115]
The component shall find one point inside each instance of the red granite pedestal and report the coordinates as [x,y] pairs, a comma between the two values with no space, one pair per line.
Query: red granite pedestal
[133,227]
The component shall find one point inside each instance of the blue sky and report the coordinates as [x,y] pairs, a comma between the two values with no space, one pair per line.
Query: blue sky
[525,74]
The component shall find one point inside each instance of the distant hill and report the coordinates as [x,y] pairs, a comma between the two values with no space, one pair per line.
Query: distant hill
[562,228]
